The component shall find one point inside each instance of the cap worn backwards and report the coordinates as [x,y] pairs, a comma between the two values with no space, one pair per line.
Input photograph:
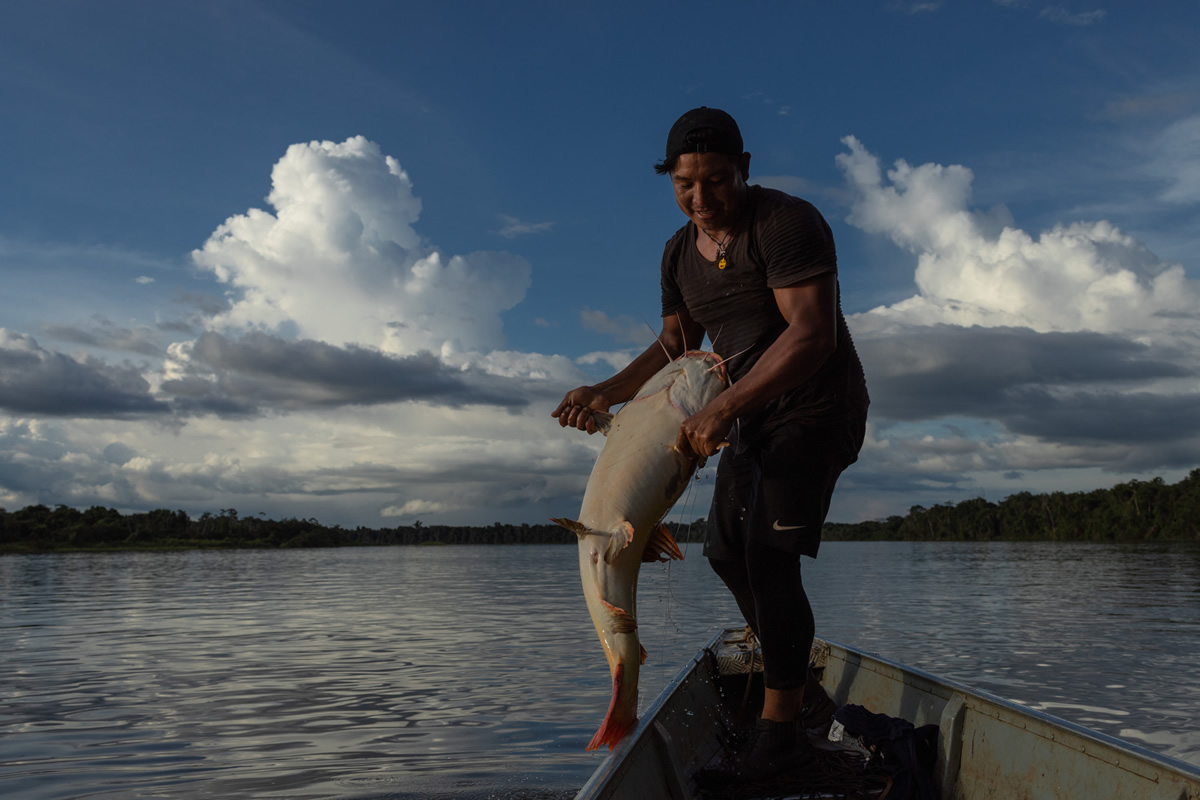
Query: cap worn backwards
[703,130]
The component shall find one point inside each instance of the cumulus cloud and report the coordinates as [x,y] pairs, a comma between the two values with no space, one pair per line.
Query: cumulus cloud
[260,371]
[340,262]
[1085,390]
[1075,347]
[103,334]
[517,469]
[979,269]
[352,371]
[208,305]
[34,380]
[339,467]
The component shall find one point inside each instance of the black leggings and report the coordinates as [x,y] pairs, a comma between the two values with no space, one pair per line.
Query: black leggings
[768,590]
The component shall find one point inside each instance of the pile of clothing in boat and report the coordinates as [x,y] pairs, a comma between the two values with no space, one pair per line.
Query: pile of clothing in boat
[856,754]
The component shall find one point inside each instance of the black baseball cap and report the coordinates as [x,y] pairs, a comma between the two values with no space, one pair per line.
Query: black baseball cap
[703,130]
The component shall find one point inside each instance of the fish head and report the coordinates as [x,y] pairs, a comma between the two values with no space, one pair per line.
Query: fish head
[699,377]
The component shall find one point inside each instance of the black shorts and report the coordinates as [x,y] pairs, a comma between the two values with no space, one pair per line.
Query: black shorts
[776,490]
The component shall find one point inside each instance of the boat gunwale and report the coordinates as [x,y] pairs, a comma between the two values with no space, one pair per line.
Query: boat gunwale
[645,724]
[972,697]
[1088,743]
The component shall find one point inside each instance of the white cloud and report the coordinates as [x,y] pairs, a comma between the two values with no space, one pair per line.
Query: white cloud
[515,364]
[514,227]
[356,370]
[413,508]
[340,262]
[1074,349]
[979,269]
[474,464]
[308,393]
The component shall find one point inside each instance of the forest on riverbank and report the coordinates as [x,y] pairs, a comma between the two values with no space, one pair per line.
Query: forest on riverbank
[1133,511]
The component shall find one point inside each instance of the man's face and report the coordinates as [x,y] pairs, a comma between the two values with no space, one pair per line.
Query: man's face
[710,188]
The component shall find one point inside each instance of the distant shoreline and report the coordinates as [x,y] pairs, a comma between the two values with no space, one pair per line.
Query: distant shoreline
[1128,512]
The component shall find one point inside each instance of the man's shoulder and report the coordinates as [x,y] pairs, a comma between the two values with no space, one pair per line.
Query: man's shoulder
[678,236]
[781,214]
[767,200]
[674,245]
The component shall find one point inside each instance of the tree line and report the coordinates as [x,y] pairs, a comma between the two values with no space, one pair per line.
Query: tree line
[1133,511]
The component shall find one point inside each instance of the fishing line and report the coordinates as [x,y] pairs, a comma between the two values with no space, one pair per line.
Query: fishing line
[686,510]
[671,626]
[658,338]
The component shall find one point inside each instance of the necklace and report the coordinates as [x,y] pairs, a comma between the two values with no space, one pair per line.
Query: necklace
[721,245]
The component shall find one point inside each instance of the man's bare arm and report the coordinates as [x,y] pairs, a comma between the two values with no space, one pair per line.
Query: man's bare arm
[575,410]
[810,308]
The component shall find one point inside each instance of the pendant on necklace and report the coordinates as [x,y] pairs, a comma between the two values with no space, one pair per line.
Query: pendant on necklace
[721,264]
[721,254]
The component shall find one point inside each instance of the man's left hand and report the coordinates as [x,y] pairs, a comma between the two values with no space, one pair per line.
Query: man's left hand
[704,433]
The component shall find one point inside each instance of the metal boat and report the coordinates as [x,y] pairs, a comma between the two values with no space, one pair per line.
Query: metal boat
[988,748]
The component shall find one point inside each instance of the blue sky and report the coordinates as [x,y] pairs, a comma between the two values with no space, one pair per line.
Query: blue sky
[341,260]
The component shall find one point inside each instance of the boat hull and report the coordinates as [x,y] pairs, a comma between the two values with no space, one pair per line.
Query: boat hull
[988,747]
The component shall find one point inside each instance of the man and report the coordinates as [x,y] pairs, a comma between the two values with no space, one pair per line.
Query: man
[755,270]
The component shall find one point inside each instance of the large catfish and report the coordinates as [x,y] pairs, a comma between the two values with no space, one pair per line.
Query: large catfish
[637,478]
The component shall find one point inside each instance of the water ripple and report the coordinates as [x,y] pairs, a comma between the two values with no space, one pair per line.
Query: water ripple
[471,672]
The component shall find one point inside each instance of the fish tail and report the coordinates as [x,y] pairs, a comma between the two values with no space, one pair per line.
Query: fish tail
[619,720]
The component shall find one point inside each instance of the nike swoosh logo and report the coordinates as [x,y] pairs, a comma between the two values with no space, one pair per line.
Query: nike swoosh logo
[776,526]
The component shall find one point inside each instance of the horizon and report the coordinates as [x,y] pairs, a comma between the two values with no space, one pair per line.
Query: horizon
[418,523]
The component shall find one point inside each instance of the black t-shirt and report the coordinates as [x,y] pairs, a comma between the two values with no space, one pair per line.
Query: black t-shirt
[780,241]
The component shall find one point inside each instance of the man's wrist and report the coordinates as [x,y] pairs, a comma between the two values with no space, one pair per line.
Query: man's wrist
[726,407]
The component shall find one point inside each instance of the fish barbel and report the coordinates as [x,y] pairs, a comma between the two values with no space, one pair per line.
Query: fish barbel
[637,477]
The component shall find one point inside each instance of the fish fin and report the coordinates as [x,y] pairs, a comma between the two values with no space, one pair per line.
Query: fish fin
[617,540]
[623,621]
[643,656]
[603,421]
[619,720]
[621,538]
[577,528]
[661,546]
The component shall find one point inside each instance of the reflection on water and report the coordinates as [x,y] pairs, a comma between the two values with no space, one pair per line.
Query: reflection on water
[474,672]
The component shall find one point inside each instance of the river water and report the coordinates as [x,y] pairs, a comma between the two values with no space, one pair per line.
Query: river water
[474,672]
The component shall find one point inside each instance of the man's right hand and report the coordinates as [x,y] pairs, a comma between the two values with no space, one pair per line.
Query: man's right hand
[575,410]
